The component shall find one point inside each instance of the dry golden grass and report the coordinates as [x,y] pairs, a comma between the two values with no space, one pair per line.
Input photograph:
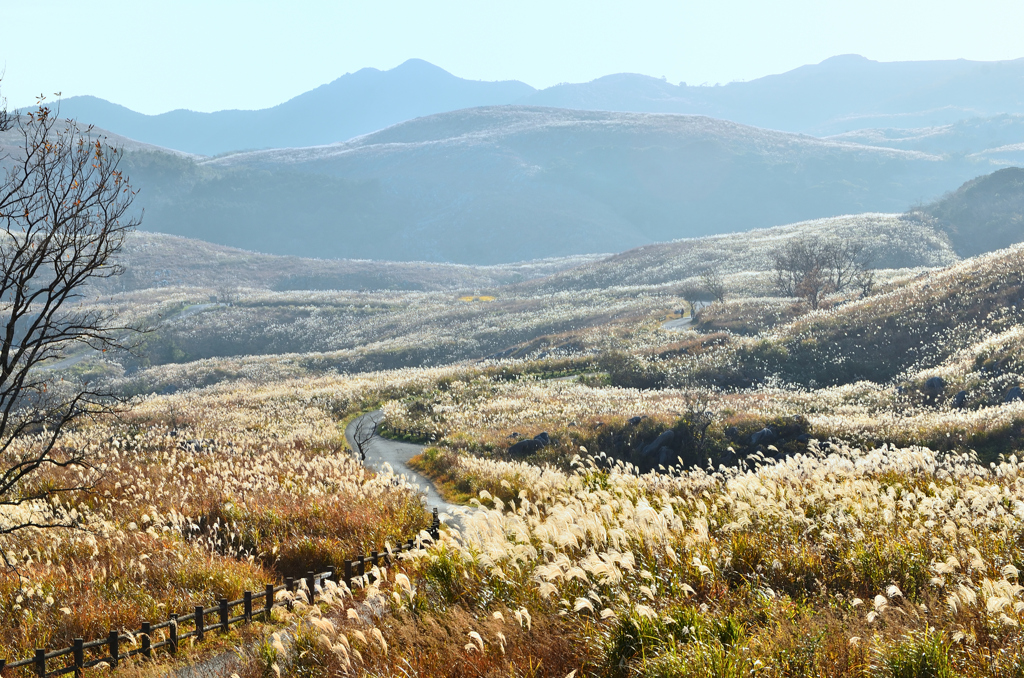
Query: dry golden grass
[196,496]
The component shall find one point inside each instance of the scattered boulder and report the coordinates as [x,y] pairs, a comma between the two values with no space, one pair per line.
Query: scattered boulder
[661,441]
[935,386]
[960,399]
[530,445]
[524,447]
[513,435]
[666,457]
[1014,394]
[633,421]
[765,436]
[732,433]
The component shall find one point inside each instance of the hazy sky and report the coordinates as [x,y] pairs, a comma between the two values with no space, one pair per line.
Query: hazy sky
[213,54]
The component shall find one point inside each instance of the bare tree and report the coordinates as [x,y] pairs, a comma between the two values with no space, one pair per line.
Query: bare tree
[845,261]
[713,283]
[694,296]
[812,270]
[365,430]
[813,284]
[63,219]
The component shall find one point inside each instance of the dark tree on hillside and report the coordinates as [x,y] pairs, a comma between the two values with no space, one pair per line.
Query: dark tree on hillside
[713,283]
[694,296]
[63,219]
[812,269]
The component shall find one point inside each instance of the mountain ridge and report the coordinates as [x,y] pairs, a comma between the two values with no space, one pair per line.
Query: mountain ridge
[838,95]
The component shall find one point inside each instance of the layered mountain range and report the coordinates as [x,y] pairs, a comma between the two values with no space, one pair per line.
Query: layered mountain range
[838,95]
[417,164]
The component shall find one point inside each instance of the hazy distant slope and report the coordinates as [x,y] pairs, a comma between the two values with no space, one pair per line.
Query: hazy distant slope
[356,103]
[996,140]
[160,260]
[837,95]
[984,214]
[12,142]
[499,184]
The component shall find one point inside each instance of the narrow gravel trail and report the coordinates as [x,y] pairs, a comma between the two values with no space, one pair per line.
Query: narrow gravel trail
[677,324]
[381,450]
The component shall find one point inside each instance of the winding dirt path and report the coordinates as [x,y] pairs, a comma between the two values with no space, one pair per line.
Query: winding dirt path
[380,451]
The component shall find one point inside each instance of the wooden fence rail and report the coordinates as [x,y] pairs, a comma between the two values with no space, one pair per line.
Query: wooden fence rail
[198,619]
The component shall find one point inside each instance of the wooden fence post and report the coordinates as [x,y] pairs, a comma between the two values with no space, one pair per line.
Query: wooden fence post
[362,565]
[173,629]
[311,585]
[247,606]
[147,643]
[268,602]
[79,653]
[349,573]
[40,663]
[113,642]
[200,623]
[289,587]
[224,626]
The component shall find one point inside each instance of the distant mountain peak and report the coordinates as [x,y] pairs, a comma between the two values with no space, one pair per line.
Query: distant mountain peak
[848,59]
[843,93]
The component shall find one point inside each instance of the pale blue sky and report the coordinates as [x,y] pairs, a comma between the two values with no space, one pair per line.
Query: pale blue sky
[209,55]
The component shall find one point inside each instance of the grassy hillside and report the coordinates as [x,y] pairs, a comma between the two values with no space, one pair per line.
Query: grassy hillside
[500,184]
[996,139]
[908,328]
[985,214]
[503,184]
[160,260]
[891,242]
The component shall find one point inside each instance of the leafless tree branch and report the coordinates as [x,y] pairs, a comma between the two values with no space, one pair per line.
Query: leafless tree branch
[63,219]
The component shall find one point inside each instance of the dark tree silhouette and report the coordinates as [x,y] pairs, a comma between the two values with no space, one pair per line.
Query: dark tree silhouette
[812,269]
[63,219]
[713,282]
[366,428]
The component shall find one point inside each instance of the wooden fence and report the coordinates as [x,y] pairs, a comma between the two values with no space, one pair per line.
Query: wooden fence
[75,660]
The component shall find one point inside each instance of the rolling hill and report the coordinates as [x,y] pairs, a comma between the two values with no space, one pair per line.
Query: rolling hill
[891,241]
[983,215]
[994,140]
[509,183]
[838,95]
[157,260]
